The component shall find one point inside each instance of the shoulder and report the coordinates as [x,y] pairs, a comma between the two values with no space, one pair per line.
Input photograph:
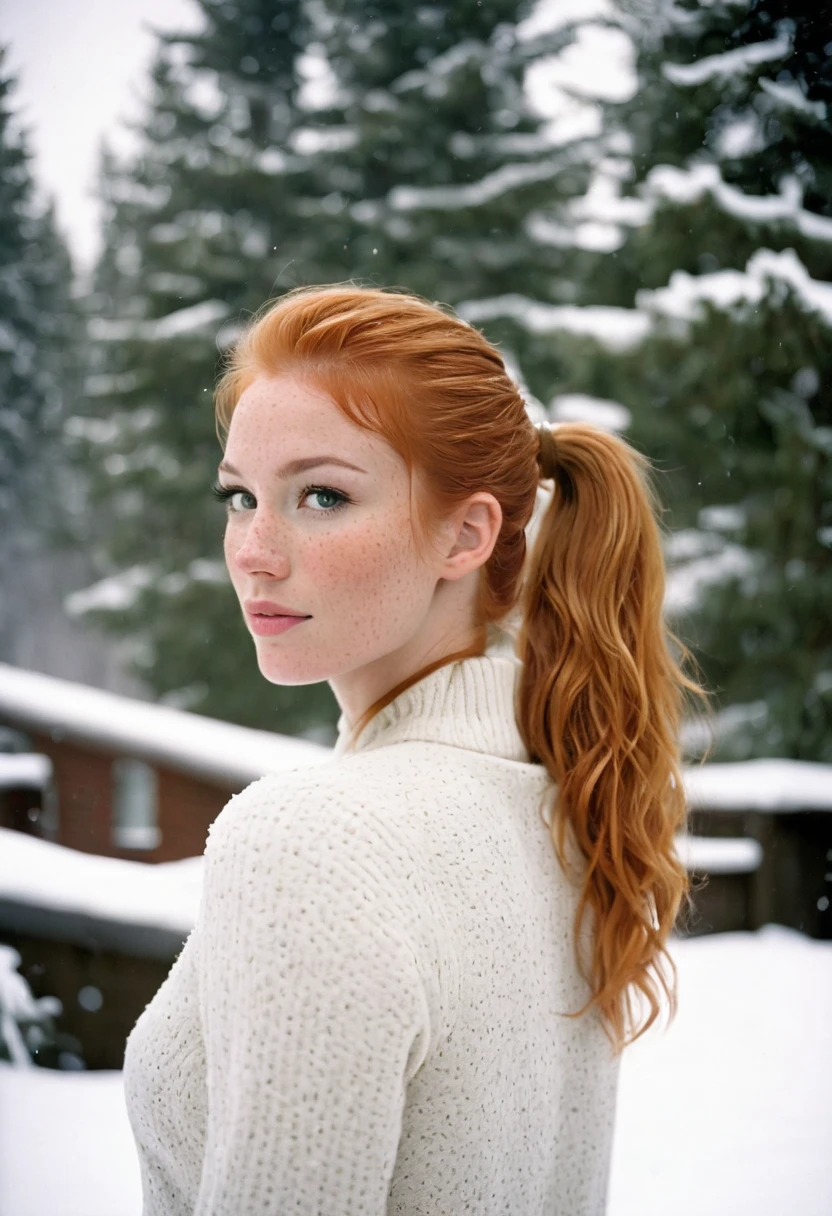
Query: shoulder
[344,796]
[347,815]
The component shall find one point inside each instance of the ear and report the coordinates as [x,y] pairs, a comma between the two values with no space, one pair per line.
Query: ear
[474,528]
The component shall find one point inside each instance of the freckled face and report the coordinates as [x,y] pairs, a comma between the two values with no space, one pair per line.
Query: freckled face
[331,543]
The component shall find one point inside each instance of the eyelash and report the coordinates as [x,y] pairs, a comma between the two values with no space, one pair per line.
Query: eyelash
[225,493]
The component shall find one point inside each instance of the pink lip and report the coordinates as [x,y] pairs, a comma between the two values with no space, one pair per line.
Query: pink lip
[267,619]
[267,626]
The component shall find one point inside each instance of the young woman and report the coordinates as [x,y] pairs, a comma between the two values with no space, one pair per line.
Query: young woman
[415,965]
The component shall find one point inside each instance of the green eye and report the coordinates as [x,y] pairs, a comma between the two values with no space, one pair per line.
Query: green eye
[323,499]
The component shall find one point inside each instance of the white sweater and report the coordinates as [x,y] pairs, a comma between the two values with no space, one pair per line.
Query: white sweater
[366,1018]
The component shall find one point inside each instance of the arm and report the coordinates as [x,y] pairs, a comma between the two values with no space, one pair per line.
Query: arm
[314,1013]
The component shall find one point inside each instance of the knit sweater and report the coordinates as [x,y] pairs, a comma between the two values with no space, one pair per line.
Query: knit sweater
[367,1017]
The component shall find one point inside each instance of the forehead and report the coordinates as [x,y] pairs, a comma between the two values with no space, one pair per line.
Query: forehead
[281,418]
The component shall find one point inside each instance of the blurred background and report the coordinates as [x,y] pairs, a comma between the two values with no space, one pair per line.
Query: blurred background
[633,199]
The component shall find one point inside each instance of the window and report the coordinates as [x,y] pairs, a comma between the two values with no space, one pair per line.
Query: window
[135,805]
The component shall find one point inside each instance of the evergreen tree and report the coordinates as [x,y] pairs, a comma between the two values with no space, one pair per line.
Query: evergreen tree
[36,372]
[721,194]
[294,143]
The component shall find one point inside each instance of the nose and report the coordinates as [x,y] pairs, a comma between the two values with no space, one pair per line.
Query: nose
[260,546]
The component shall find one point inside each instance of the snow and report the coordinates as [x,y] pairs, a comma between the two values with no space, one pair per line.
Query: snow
[615,328]
[691,184]
[601,238]
[182,321]
[742,137]
[113,594]
[65,1145]
[320,89]
[604,204]
[578,407]
[24,769]
[729,63]
[742,718]
[686,583]
[686,294]
[761,785]
[185,320]
[724,1111]
[790,95]
[685,544]
[215,750]
[574,122]
[102,385]
[17,1005]
[119,592]
[308,141]
[718,854]
[549,16]
[599,64]
[728,517]
[473,194]
[40,874]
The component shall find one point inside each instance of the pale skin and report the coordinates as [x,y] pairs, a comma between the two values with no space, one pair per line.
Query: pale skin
[378,606]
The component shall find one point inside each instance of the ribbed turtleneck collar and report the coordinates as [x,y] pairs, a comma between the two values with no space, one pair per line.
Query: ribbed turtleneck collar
[468,704]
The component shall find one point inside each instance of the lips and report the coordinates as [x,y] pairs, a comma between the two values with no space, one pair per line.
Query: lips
[269,620]
[267,608]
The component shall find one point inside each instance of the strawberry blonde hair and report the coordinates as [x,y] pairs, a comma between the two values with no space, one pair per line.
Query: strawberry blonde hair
[600,695]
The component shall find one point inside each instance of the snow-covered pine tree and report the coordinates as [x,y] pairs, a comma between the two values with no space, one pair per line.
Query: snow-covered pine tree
[36,331]
[199,226]
[304,143]
[725,250]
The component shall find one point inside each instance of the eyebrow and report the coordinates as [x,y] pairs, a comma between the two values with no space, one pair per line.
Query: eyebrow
[299,466]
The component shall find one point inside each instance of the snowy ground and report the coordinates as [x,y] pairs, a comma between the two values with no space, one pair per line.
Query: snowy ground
[724,1113]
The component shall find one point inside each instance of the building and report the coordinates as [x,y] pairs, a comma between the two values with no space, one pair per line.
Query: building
[120,777]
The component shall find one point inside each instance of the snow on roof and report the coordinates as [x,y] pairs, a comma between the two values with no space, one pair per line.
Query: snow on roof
[718,854]
[220,751]
[685,295]
[729,63]
[578,407]
[40,874]
[761,785]
[689,185]
[616,328]
[24,769]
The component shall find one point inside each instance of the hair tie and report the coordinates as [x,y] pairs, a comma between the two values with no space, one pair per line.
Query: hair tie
[547,455]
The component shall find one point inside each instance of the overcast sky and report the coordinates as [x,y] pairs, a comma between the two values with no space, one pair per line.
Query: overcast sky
[81,68]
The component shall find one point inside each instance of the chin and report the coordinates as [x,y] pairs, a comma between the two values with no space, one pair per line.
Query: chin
[291,670]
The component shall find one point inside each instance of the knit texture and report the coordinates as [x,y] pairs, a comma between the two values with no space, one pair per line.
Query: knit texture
[367,1017]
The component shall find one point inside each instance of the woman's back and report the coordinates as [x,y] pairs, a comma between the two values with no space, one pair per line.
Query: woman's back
[384,953]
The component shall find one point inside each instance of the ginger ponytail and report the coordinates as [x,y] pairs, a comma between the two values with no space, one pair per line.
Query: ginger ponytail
[599,704]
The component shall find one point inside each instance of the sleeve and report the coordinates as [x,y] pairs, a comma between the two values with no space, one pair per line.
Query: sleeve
[313,1010]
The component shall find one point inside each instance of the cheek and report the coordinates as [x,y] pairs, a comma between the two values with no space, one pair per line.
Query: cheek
[374,578]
